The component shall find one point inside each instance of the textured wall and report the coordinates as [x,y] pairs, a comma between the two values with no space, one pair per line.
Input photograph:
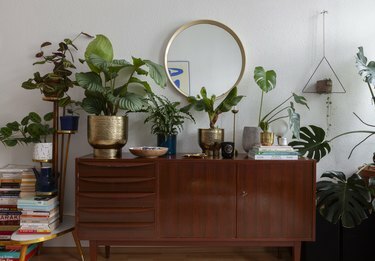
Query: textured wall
[283,35]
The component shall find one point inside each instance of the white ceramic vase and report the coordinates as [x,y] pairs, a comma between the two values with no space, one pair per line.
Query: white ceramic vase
[42,151]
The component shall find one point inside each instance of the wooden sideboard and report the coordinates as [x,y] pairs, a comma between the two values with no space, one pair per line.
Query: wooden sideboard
[176,201]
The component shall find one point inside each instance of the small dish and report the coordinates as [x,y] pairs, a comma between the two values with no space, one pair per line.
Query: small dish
[148,152]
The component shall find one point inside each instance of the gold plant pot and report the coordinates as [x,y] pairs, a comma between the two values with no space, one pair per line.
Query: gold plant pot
[210,141]
[107,135]
[266,138]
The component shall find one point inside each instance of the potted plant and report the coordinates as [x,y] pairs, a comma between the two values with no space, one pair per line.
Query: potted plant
[167,120]
[210,139]
[324,86]
[266,80]
[70,120]
[56,83]
[106,94]
[31,129]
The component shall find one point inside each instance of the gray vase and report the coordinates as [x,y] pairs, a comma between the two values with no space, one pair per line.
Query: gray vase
[250,137]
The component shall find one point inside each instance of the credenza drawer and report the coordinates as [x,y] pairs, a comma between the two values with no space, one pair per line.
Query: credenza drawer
[115,231]
[119,170]
[115,200]
[116,215]
[116,184]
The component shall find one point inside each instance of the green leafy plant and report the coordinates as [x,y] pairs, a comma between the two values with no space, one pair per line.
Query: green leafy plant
[344,199]
[105,91]
[266,80]
[203,103]
[166,117]
[57,82]
[31,129]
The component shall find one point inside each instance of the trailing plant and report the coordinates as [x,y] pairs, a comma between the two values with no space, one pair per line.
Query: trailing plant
[57,82]
[105,91]
[31,129]
[266,80]
[166,117]
[203,103]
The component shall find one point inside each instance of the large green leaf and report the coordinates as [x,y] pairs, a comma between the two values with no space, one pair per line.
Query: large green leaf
[100,46]
[343,199]
[229,101]
[266,80]
[93,105]
[156,72]
[300,100]
[311,143]
[90,81]
[131,102]
[366,71]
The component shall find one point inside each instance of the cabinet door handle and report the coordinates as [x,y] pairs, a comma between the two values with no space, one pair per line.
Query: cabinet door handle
[244,194]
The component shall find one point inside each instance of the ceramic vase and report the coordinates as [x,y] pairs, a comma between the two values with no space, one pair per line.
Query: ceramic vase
[250,137]
[169,141]
[42,151]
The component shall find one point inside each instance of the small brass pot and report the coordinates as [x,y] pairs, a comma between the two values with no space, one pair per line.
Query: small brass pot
[266,138]
[210,141]
[107,135]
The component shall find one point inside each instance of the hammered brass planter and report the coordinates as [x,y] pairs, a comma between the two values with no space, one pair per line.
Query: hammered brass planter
[266,138]
[210,141]
[107,135]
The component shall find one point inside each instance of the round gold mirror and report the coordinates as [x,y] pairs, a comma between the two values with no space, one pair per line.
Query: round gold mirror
[204,53]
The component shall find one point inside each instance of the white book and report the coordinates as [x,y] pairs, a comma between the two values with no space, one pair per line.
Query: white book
[273,148]
[273,157]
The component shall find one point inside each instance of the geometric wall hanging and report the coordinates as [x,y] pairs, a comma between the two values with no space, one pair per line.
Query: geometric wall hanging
[320,72]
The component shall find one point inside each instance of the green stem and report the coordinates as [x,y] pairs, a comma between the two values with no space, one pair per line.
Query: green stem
[372,93]
[278,106]
[260,108]
[282,117]
[279,111]
[350,132]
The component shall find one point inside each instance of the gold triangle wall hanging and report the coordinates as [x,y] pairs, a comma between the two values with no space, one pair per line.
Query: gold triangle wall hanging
[323,85]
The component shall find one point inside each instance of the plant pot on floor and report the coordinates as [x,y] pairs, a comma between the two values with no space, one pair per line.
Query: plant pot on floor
[69,122]
[210,141]
[107,135]
[169,141]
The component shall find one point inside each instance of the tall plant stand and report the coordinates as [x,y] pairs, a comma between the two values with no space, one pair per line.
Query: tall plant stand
[60,147]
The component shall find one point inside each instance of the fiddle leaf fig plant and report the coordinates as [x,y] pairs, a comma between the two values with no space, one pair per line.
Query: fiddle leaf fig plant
[112,85]
[204,103]
[31,129]
[266,80]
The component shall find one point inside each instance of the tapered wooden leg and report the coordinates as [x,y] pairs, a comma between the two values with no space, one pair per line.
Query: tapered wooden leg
[297,251]
[78,244]
[93,250]
[23,252]
[107,251]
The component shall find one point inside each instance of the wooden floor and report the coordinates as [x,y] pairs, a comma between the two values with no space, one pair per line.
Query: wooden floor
[169,254]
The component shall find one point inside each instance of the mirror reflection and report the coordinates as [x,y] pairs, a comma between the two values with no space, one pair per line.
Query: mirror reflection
[204,53]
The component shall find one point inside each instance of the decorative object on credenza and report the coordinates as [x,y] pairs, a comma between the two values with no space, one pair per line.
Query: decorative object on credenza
[148,152]
[250,137]
[266,80]
[167,120]
[210,139]
[106,94]
[235,110]
[227,149]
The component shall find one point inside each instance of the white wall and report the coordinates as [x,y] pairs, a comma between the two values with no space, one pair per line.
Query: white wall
[282,35]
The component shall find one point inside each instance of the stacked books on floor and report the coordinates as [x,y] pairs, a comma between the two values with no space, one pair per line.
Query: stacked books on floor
[12,253]
[10,188]
[40,214]
[275,152]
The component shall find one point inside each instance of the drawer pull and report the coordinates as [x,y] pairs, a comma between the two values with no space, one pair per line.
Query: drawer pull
[116,180]
[244,194]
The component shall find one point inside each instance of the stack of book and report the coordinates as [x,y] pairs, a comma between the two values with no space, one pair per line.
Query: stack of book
[273,153]
[12,253]
[40,214]
[28,181]
[10,183]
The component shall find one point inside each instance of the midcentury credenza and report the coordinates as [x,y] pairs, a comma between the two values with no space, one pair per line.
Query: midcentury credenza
[176,201]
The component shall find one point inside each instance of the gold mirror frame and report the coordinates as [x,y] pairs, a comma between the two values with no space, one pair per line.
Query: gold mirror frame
[210,22]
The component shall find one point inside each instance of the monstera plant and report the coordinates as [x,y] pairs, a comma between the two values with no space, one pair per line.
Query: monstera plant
[347,200]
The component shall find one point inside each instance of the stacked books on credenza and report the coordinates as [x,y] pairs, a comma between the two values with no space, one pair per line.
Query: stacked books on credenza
[274,152]
[40,214]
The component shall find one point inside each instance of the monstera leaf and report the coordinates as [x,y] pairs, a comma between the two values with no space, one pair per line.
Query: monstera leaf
[343,199]
[367,71]
[311,143]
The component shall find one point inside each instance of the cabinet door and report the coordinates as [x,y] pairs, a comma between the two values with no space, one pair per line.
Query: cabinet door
[276,199]
[197,199]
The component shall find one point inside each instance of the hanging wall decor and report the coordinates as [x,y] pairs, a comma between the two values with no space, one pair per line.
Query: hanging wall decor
[323,86]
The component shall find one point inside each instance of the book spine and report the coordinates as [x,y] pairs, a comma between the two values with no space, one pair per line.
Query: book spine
[274,157]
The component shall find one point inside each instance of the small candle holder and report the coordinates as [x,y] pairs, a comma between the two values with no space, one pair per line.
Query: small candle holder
[234,111]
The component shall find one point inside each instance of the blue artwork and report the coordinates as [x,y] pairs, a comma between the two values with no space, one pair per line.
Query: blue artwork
[180,75]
